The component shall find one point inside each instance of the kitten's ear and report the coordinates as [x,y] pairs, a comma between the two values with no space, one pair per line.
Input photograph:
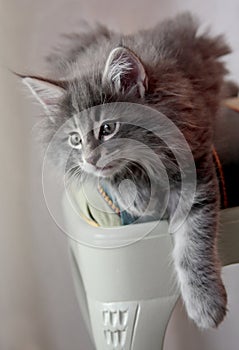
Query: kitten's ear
[125,72]
[47,92]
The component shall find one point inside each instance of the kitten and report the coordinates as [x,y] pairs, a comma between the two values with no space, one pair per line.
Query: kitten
[173,70]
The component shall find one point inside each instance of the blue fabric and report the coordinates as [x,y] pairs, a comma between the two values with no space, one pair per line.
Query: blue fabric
[126,218]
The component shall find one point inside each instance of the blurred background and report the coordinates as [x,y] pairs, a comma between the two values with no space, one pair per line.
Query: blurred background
[38,306]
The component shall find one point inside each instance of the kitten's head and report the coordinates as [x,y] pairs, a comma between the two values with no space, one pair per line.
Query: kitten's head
[87,119]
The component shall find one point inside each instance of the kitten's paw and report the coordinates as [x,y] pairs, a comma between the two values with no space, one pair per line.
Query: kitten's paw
[207,308]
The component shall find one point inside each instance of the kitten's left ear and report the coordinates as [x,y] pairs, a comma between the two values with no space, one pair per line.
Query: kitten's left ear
[46,91]
[125,72]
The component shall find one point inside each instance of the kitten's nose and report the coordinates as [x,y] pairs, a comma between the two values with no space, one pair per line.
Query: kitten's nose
[92,159]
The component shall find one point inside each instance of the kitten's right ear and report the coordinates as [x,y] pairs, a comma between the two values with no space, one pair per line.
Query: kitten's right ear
[46,91]
[125,72]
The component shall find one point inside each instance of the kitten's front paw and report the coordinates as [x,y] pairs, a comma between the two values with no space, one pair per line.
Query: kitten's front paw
[208,307]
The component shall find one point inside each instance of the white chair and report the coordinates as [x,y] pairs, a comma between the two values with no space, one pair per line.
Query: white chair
[127,288]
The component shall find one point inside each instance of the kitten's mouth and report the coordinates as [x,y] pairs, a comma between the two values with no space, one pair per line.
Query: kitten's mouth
[105,167]
[107,170]
[110,168]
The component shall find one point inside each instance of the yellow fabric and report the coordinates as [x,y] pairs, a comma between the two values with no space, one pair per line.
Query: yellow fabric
[91,205]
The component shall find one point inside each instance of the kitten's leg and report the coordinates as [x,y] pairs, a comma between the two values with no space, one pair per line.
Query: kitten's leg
[196,259]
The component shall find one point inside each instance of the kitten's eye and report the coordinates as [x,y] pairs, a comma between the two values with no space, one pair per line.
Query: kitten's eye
[75,140]
[107,130]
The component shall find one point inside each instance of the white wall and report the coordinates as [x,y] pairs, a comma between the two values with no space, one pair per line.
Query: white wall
[38,308]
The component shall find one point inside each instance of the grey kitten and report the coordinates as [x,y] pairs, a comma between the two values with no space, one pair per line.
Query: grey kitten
[176,71]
